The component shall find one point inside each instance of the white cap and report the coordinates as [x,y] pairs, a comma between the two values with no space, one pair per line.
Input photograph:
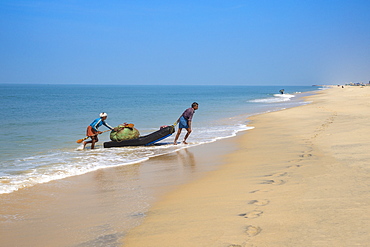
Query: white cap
[103,114]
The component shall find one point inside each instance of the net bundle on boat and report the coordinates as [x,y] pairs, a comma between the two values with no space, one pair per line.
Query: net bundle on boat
[124,132]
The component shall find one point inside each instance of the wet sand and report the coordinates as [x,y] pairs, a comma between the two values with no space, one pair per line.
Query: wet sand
[300,178]
[98,208]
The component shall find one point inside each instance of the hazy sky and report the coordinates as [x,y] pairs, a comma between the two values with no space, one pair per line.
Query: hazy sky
[297,42]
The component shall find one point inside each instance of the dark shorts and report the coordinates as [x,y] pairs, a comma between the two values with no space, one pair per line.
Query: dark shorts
[183,123]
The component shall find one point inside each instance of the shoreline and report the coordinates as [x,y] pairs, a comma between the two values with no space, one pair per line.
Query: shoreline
[98,208]
[38,159]
[276,185]
[31,174]
[300,178]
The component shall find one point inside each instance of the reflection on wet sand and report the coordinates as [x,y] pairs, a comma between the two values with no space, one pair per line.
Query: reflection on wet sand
[186,157]
[97,208]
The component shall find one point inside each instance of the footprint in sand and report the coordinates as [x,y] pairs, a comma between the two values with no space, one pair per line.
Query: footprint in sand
[255,191]
[293,166]
[295,160]
[281,174]
[305,155]
[252,230]
[277,182]
[252,214]
[278,174]
[259,202]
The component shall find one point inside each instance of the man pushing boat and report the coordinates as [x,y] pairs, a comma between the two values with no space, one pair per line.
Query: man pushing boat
[92,130]
[185,122]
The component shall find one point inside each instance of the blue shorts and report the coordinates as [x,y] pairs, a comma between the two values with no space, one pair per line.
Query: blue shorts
[183,123]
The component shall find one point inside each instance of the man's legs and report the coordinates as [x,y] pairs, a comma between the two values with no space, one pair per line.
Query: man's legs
[177,136]
[93,140]
[187,135]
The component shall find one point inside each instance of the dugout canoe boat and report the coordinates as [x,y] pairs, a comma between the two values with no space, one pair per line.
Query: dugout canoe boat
[144,140]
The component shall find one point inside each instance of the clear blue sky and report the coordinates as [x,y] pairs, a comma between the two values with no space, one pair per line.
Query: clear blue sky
[297,42]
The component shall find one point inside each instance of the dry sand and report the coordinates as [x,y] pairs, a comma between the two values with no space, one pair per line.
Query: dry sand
[300,178]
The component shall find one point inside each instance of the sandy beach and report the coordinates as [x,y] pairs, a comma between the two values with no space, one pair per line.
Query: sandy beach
[98,208]
[299,178]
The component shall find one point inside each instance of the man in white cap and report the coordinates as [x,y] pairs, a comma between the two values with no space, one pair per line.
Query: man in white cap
[92,130]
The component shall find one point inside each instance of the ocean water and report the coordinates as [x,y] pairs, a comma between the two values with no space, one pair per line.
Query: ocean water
[41,123]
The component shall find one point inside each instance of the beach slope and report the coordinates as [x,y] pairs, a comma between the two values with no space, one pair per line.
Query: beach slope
[300,178]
